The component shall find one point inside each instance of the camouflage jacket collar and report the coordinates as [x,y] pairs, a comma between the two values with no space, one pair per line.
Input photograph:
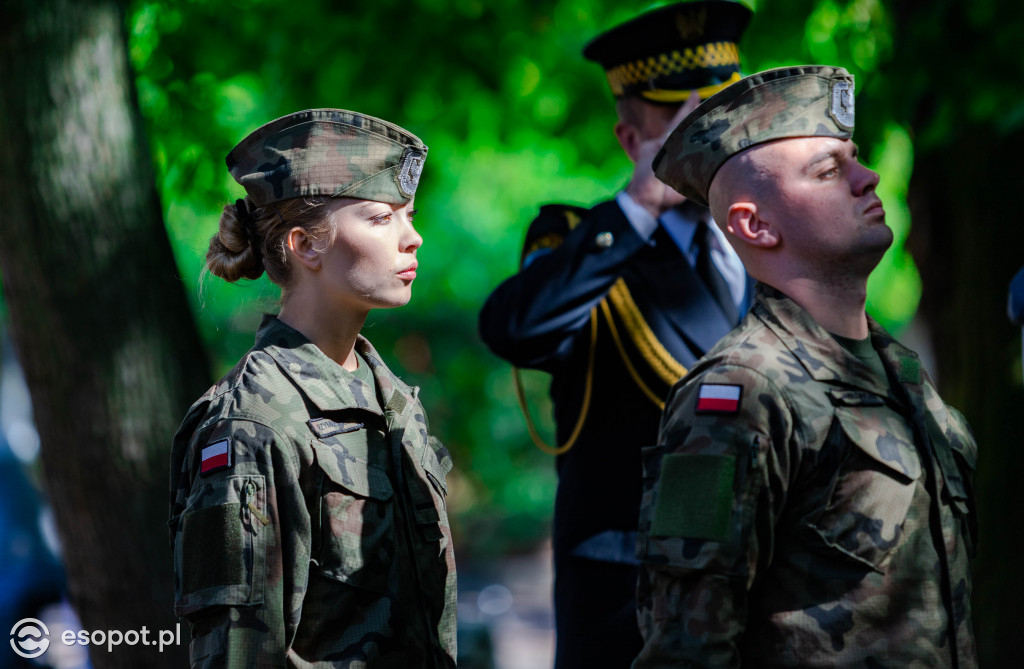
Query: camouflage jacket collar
[398,395]
[325,382]
[822,356]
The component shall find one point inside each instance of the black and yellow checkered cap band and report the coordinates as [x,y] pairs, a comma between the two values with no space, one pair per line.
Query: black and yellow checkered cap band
[670,77]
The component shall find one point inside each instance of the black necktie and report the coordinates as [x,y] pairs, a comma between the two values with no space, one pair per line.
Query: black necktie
[708,273]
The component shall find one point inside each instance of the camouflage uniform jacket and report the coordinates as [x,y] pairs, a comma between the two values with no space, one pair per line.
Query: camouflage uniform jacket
[306,546]
[801,512]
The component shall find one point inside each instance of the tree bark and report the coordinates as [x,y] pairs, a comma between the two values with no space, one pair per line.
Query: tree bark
[967,248]
[967,252]
[98,314]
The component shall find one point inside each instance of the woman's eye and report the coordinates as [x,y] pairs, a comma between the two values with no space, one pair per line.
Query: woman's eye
[381,218]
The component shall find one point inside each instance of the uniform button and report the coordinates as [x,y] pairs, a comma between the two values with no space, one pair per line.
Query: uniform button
[604,240]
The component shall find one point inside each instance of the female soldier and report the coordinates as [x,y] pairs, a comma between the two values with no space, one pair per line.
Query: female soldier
[307,499]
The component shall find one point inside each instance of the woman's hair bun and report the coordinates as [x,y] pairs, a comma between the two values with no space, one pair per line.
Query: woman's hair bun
[235,251]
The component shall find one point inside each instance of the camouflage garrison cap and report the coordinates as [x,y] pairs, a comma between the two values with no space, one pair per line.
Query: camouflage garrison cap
[664,54]
[329,152]
[802,101]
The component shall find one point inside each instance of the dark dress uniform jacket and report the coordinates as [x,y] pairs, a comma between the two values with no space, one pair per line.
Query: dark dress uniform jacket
[305,545]
[654,319]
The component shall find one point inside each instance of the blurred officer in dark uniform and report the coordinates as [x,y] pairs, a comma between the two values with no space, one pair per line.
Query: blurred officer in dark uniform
[616,302]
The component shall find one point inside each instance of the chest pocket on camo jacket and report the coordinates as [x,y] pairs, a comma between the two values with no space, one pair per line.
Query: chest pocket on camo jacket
[356,514]
[873,491]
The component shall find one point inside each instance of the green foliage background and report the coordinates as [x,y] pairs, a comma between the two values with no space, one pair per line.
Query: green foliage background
[514,118]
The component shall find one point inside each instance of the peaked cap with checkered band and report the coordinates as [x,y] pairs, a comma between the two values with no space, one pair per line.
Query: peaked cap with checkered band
[664,54]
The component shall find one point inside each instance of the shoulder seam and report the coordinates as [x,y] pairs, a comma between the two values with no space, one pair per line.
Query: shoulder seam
[746,368]
[278,437]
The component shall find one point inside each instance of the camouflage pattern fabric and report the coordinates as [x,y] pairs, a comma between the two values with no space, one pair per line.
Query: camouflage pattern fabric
[312,548]
[328,152]
[802,101]
[822,519]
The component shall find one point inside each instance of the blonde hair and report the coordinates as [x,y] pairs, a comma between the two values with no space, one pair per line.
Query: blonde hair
[250,242]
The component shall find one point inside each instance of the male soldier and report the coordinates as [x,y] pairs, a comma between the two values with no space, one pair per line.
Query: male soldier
[810,502]
[616,302]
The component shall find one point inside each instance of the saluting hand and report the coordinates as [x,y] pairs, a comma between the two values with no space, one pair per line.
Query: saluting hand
[643,144]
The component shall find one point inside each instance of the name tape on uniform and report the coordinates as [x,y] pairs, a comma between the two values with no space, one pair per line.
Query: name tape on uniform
[719,398]
[325,427]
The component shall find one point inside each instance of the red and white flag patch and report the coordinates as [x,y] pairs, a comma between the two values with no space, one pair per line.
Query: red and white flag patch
[215,456]
[719,398]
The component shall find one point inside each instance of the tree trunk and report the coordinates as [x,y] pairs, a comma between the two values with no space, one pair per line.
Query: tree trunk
[945,64]
[967,252]
[97,312]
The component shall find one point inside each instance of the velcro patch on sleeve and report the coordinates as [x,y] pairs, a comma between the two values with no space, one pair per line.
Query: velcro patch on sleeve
[216,456]
[719,398]
[213,548]
[694,496]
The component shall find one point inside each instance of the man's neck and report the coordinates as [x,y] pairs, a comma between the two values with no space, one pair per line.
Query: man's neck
[837,308]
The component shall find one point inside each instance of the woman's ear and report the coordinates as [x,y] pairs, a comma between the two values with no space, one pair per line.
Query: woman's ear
[300,247]
[745,223]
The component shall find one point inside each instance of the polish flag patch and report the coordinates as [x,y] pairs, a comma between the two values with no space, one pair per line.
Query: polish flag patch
[719,398]
[215,456]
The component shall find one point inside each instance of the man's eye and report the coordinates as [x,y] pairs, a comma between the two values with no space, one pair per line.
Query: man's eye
[828,174]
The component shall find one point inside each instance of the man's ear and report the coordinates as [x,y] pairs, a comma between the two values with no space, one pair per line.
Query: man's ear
[300,247]
[629,137]
[745,223]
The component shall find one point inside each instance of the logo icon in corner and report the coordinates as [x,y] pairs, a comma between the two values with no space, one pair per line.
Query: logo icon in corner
[29,638]
[841,108]
[410,170]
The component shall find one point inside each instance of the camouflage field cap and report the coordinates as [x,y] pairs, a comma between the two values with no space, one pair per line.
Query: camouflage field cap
[328,152]
[801,101]
[662,55]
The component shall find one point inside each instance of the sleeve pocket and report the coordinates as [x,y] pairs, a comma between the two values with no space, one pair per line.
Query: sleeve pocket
[698,508]
[219,550]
